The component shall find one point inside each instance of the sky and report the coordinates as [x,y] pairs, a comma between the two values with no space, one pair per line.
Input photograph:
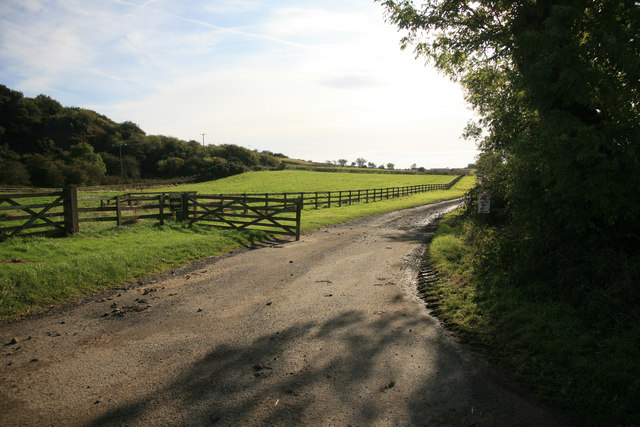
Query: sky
[315,80]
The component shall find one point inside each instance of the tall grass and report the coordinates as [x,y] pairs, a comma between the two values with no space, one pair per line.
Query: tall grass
[592,373]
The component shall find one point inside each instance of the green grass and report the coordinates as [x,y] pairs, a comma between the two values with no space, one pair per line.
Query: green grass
[54,270]
[591,373]
[303,181]
[312,219]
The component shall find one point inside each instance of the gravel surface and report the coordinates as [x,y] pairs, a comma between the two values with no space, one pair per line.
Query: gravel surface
[325,331]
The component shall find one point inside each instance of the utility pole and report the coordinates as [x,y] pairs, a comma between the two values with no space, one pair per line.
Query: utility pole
[203,134]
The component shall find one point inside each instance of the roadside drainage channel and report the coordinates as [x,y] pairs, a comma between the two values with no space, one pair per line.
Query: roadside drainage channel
[427,275]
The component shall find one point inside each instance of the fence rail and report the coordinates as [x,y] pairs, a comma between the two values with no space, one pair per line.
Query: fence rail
[47,215]
[323,199]
[61,212]
[275,214]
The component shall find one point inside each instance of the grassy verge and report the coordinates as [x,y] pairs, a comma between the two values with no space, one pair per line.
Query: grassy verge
[50,271]
[37,271]
[591,373]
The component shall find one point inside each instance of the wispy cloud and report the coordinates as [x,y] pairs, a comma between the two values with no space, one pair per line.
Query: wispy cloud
[305,80]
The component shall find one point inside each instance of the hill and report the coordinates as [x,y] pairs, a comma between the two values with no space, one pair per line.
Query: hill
[45,144]
[307,181]
[369,168]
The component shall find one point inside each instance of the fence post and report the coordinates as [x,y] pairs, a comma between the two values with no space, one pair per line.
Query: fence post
[301,200]
[70,206]
[161,207]
[298,218]
[118,212]
[329,198]
[184,199]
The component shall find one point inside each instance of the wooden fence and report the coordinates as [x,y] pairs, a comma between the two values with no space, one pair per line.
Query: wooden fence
[46,212]
[330,199]
[278,215]
[61,212]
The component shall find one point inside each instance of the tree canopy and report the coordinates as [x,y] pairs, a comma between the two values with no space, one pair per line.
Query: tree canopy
[555,85]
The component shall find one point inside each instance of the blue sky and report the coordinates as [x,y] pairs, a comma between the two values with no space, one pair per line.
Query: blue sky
[316,80]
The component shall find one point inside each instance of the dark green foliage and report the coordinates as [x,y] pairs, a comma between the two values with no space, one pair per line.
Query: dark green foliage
[220,168]
[48,145]
[44,172]
[555,84]
[556,87]
[13,172]
[237,154]
[583,359]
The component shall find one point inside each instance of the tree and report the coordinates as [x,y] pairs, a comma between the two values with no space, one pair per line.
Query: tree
[390,166]
[171,167]
[361,162]
[371,165]
[342,162]
[85,167]
[556,87]
[269,160]
[44,172]
[13,172]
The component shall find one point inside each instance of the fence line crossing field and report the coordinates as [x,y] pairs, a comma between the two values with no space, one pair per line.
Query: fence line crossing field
[36,272]
[183,204]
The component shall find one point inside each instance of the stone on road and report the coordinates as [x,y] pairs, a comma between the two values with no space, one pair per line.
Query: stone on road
[325,331]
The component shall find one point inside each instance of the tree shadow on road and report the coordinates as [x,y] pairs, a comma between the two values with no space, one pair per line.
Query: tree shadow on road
[286,378]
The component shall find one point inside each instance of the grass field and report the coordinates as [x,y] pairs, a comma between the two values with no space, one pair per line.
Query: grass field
[303,181]
[592,373]
[36,272]
[257,182]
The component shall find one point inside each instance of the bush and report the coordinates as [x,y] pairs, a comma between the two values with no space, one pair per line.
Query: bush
[44,172]
[220,168]
[13,172]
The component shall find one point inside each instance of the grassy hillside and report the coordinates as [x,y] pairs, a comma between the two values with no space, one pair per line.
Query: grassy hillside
[302,181]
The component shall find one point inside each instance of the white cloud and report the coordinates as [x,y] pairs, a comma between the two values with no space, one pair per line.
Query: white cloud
[310,82]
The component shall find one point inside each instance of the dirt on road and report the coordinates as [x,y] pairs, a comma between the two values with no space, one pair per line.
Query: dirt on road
[329,330]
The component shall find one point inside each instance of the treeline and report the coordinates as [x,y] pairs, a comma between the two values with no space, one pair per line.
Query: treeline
[557,88]
[44,144]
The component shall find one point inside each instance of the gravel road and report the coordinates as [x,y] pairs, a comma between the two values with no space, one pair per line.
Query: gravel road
[325,331]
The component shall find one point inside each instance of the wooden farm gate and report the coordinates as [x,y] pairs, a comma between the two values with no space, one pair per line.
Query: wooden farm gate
[277,215]
[49,213]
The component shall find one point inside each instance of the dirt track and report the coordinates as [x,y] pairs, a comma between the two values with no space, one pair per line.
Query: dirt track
[325,331]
